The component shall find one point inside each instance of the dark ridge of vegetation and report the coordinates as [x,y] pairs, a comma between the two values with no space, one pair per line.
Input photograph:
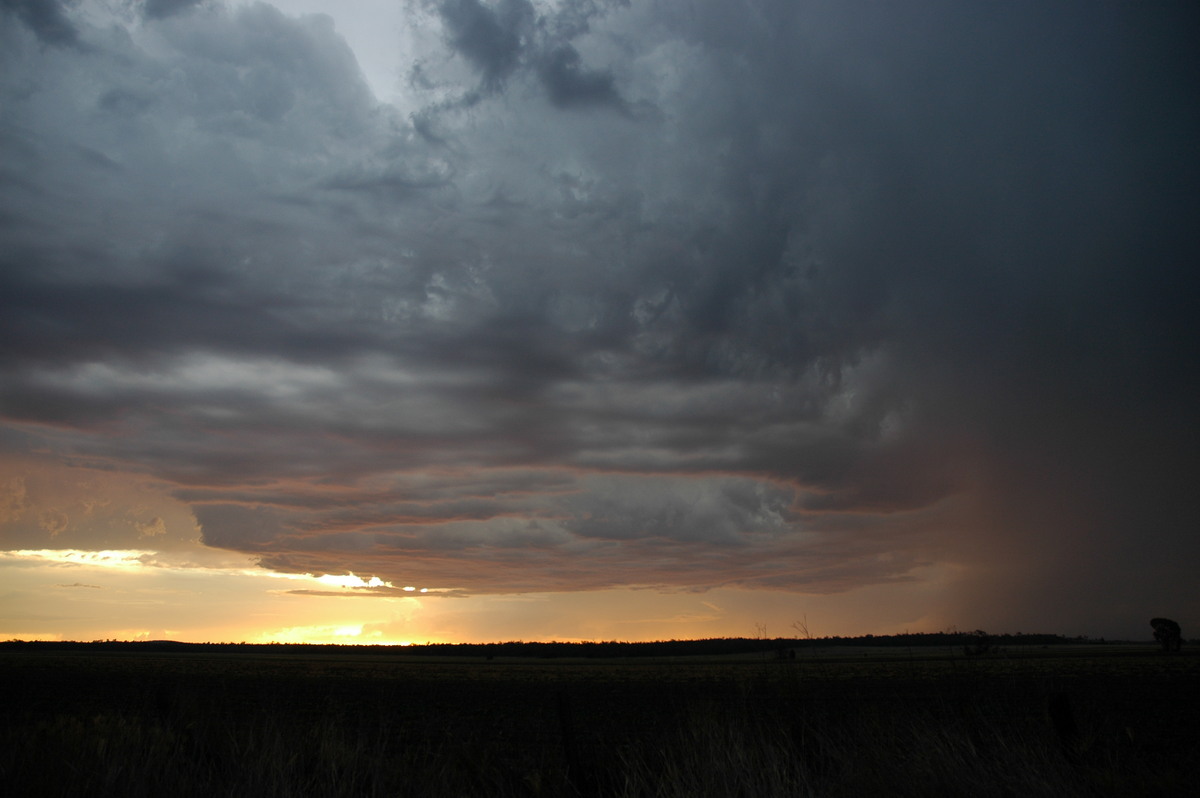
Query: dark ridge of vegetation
[516,648]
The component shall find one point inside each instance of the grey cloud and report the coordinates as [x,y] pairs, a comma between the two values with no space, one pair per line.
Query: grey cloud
[258,61]
[241,528]
[736,531]
[569,85]
[491,38]
[45,18]
[501,39]
[401,182]
[206,240]
[420,488]
[520,556]
[161,9]
[715,510]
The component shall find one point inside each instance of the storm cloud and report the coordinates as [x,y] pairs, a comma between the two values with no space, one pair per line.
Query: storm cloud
[840,292]
[45,18]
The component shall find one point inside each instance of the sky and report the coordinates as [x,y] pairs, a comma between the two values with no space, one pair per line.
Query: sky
[470,320]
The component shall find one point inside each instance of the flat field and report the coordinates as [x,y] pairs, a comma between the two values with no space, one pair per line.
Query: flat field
[1118,720]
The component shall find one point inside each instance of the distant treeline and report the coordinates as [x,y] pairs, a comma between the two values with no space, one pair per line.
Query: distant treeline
[662,648]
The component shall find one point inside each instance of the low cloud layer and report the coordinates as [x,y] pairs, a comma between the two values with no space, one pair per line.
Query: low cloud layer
[790,296]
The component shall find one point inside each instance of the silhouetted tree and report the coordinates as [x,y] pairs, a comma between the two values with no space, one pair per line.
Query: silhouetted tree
[1168,633]
[977,643]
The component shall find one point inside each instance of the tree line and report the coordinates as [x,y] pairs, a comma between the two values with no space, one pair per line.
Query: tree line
[724,646]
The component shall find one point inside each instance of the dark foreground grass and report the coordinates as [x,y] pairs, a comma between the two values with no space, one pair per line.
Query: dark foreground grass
[80,724]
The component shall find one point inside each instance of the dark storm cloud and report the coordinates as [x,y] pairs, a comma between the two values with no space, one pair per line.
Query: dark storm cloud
[499,39]
[45,18]
[568,84]
[858,291]
[491,38]
[161,9]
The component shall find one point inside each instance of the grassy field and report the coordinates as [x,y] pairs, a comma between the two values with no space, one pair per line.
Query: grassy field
[1043,721]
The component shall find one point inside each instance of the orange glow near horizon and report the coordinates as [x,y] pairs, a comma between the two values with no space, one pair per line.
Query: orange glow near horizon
[161,596]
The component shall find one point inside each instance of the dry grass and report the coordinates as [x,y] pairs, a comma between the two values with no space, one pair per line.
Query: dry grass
[78,725]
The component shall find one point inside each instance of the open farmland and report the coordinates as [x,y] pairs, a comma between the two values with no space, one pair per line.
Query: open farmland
[1116,720]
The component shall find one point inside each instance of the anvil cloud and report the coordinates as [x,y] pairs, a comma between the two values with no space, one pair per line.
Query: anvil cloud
[788,298]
